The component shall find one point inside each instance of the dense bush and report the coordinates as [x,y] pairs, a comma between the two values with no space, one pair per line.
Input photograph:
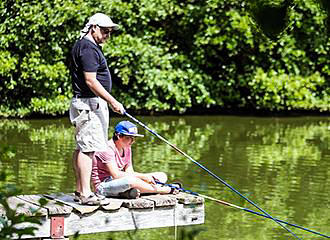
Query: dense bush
[283,91]
[171,55]
[34,46]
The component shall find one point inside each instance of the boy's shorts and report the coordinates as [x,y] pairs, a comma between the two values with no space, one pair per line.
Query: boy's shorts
[90,116]
[112,187]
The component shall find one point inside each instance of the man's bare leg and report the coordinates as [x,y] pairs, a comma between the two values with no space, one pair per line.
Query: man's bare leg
[76,172]
[84,171]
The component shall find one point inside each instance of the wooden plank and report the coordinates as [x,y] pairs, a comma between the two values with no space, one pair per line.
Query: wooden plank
[114,204]
[68,199]
[139,203]
[131,219]
[53,207]
[121,220]
[161,200]
[42,230]
[189,214]
[24,207]
[30,210]
[186,198]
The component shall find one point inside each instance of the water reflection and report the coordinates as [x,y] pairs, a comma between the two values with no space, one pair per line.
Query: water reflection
[282,164]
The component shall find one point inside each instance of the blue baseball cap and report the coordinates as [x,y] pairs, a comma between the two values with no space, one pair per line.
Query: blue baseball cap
[127,128]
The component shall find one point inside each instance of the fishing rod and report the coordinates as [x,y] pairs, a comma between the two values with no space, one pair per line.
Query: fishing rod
[209,172]
[238,207]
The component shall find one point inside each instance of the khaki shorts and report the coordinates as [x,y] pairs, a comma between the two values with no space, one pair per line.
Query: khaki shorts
[90,116]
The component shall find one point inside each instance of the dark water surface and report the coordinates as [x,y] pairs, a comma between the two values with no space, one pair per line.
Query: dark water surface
[282,164]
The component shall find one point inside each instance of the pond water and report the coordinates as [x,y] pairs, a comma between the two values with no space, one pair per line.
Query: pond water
[281,164]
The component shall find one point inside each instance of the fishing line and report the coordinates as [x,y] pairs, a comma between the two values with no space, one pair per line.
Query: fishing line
[209,172]
[240,208]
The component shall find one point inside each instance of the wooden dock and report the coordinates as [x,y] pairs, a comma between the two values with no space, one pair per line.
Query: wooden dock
[62,217]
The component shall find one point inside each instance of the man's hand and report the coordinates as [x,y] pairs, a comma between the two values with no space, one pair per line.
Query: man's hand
[98,89]
[117,107]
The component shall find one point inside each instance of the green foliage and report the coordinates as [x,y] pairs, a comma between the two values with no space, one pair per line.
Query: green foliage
[162,82]
[58,105]
[34,38]
[276,91]
[169,55]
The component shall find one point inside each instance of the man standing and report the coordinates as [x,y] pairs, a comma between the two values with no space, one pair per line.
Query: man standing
[91,83]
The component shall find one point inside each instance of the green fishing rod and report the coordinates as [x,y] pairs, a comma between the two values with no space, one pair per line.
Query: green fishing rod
[209,172]
[240,208]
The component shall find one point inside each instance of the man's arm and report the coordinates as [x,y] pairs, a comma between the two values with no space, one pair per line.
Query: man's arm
[98,90]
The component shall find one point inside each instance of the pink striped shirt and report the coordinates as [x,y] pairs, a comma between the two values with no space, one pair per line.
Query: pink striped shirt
[100,159]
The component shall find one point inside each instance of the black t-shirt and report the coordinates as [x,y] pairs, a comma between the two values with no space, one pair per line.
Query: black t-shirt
[86,56]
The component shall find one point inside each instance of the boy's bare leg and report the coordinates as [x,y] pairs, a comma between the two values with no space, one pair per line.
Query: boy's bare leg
[144,187]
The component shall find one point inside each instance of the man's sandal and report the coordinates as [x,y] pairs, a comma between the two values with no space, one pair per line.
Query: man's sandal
[93,200]
[76,197]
